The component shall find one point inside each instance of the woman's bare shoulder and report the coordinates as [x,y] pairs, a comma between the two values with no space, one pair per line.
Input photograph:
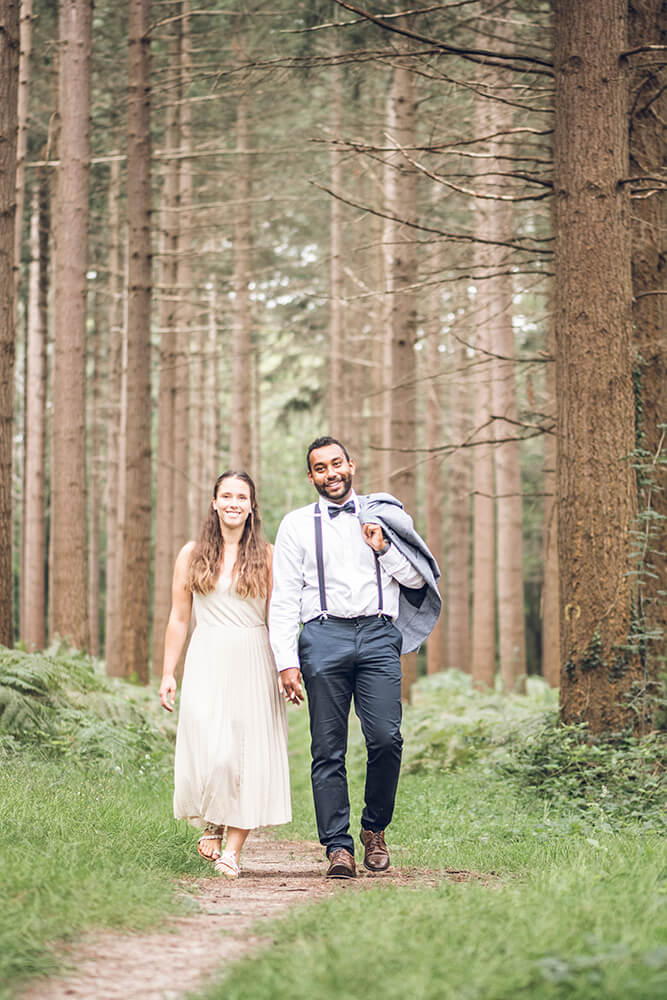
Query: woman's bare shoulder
[185,553]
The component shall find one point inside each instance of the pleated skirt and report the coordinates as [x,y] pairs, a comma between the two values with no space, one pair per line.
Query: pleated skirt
[231,746]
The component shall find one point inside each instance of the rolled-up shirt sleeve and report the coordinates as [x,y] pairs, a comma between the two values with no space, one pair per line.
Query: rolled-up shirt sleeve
[285,606]
[395,564]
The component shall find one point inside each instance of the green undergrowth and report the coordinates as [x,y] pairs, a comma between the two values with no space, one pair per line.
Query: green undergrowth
[567,893]
[587,928]
[565,898]
[59,704]
[87,837]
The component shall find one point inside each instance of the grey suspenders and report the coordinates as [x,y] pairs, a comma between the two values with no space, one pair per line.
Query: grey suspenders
[319,558]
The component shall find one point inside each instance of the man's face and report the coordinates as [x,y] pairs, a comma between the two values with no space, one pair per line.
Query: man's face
[331,473]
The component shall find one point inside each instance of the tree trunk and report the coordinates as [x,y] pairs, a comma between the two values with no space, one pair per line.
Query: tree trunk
[483,643]
[181,525]
[336,332]
[509,518]
[69,617]
[188,442]
[164,494]
[378,460]
[25,54]
[96,463]
[458,522]
[435,494]
[550,602]
[400,275]
[648,104]
[135,576]
[115,474]
[34,533]
[9,70]
[240,456]
[596,482]
[212,388]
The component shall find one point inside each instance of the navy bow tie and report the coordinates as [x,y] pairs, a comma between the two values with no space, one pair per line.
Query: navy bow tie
[348,507]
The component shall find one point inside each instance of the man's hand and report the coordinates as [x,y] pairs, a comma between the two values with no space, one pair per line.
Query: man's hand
[168,692]
[290,682]
[374,536]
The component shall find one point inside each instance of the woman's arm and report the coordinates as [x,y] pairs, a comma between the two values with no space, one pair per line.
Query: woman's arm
[177,626]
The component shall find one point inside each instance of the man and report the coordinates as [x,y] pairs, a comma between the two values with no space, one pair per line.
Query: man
[348,567]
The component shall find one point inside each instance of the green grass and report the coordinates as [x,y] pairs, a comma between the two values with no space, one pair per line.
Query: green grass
[80,848]
[87,837]
[576,908]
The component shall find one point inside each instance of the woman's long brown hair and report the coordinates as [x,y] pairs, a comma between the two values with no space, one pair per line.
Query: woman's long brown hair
[251,569]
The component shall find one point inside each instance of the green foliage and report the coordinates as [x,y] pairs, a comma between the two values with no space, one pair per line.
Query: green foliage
[59,705]
[82,845]
[87,836]
[619,778]
[450,724]
[565,907]
[561,934]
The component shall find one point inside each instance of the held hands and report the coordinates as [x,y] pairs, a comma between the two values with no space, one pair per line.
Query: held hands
[374,536]
[168,692]
[290,685]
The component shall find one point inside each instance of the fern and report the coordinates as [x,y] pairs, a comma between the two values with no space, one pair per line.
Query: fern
[59,705]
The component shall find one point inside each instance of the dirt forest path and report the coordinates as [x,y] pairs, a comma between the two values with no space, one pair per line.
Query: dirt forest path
[189,951]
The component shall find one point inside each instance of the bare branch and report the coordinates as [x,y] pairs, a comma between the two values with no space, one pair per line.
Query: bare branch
[484,56]
[458,237]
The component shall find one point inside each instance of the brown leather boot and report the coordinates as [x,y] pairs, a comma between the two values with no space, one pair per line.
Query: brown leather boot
[376,855]
[341,864]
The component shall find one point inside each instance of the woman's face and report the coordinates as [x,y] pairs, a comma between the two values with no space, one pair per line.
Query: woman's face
[232,502]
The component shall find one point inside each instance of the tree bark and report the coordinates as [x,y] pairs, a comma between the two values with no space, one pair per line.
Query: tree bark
[483,643]
[181,525]
[400,276]
[336,332]
[648,110]
[165,488]
[435,494]
[25,54]
[509,517]
[135,596]
[596,483]
[9,70]
[69,617]
[115,471]
[95,479]
[33,631]
[458,522]
[240,446]
[550,601]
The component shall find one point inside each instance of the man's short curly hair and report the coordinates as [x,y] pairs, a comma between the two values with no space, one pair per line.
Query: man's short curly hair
[322,442]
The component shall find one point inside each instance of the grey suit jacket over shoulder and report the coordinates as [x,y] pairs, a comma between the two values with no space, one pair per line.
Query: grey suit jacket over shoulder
[418,610]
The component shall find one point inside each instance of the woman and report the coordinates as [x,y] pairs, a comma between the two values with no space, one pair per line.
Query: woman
[231,745]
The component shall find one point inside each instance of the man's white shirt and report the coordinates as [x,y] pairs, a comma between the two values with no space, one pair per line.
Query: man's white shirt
[349,574]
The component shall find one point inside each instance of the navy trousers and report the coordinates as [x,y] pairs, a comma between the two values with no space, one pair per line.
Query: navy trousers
[340,659]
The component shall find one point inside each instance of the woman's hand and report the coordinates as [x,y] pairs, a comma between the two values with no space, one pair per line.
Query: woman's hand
[168,692]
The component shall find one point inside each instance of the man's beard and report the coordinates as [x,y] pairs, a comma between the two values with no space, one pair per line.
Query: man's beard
[345,480]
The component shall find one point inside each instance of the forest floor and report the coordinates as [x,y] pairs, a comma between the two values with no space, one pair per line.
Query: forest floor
[189,951]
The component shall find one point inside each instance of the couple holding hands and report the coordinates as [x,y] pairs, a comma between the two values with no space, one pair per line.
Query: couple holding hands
[349,586]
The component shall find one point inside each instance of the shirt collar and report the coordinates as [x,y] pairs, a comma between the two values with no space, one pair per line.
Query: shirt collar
[324,504]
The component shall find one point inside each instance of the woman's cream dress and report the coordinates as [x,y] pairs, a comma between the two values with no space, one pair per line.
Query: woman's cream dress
[231,746]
